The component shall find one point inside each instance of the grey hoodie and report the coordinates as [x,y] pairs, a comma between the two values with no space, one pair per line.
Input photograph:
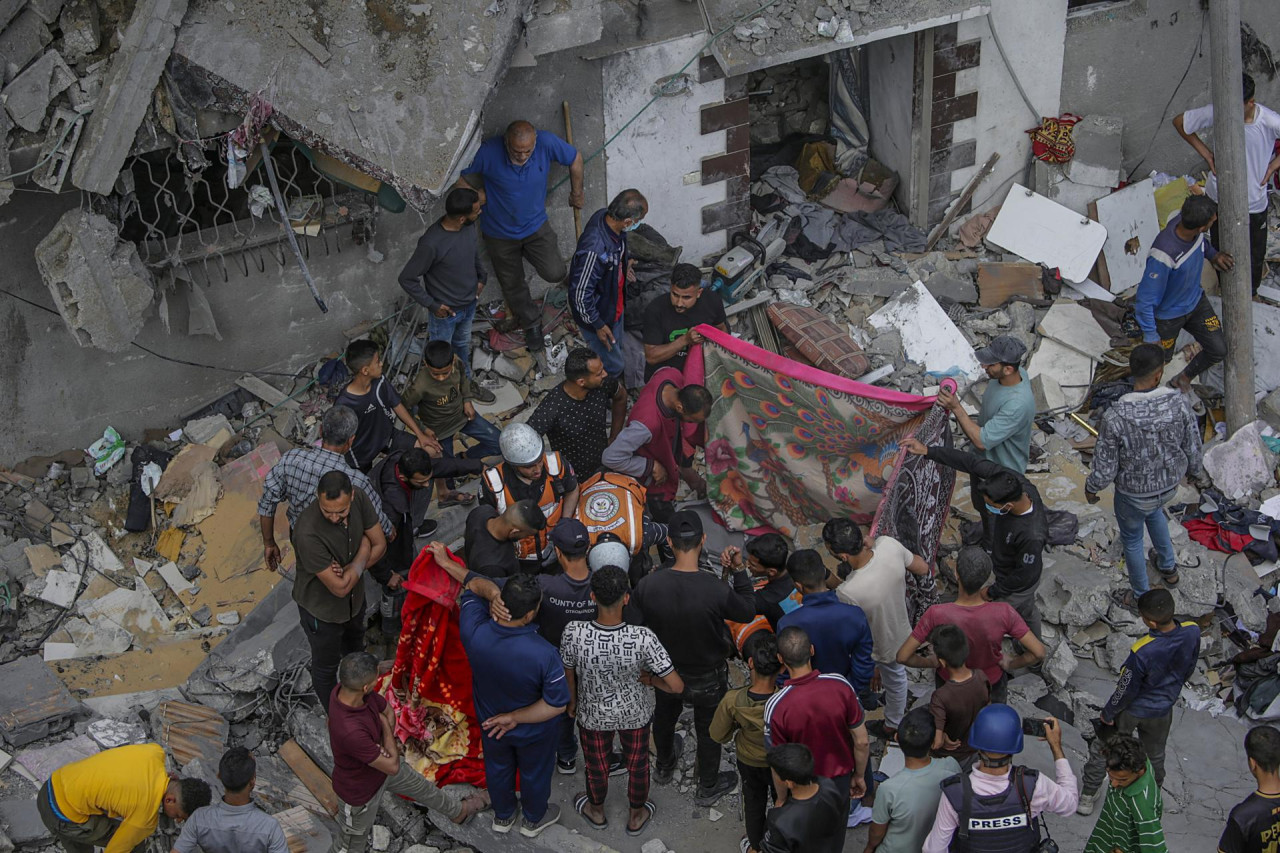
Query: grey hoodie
[1149,440]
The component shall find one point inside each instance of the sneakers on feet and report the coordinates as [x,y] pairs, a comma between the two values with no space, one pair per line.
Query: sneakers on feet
[1086,803]
[502,825]
[566,767]
[617,767]
[530,829]
[724,785]
[663,771]
[480,393]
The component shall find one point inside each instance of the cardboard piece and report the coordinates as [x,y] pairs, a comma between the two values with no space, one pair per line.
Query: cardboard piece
[997,282]
[1129,215]
[1045,232]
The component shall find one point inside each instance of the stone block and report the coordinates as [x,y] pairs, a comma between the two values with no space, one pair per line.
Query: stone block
[28,97]
[213,431]
[1242,464]
[98,282]
[1060,664]
[22,822]
[1097,161]
[81,32]
[1047,392]
[126,93]
[22,41]
[48,10]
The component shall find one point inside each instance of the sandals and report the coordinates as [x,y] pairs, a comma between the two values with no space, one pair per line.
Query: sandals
[1170,578]
[1124,598]
[580,806]
[652,810]
[456,499]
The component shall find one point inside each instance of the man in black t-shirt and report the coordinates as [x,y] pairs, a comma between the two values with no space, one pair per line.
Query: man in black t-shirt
[575,416]
[1254,825]
[669,323]
[489,539]
[812,810]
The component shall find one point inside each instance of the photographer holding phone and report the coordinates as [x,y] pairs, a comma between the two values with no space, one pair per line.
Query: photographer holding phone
[998,805]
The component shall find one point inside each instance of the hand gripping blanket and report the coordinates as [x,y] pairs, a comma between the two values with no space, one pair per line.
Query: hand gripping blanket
[430,683]
[790,445]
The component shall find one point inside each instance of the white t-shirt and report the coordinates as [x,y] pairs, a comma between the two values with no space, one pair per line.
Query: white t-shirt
[607,662]
[880,589]
[1260,137]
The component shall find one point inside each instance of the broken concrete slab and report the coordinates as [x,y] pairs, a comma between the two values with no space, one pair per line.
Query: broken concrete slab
[89,551]
[59,146]
[108,733]
[23,40]
[98,282]
[1129,215]
[1242,465]
[571,25]
[506,398]
[134,610]
[1097,161]
[28,97]
[929,338]
[1045,232]
[1072,340]
[34,703]
[57,588]
[173,577]
[126,93]
[81,33]
[956,288]
[41,761]
[213,431]
[1048,393]
[22,822]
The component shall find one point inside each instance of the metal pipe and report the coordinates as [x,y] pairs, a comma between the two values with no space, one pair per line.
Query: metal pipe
[284,223]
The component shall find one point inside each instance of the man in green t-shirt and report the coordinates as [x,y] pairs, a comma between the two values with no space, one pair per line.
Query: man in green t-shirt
[1131,814]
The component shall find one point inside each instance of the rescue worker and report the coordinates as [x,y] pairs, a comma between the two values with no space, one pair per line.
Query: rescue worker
[530,472]
[987,810]
[613,505]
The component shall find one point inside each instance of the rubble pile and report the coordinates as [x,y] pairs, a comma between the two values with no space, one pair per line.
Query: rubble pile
[789,99]
[832,19]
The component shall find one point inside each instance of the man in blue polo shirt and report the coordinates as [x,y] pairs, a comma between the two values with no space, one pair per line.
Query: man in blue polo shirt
[839,632]
[513,170]
[520,692]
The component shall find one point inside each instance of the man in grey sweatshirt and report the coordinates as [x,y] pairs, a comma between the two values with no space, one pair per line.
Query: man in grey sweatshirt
[1148,442]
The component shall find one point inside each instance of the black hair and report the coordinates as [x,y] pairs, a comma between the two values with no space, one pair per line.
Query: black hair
[529,514]
[575,366]
[628,204]
[842,536]
[361,354]
[1125,752]
[1198,211]
[193,794]
[609,584]
[916,732]
[761,648]
[684,276]
[1145,360]
[1002,487]
[236,769]
[438,354]
[521,595]
[1156,605]
[460,201]
[1249,87]
[770,549]
[806,568]
[794,646]
[695,399]
[1262,744]
[334,485]
[973,568]
[950,645]
[357,669]
[415,461]
[793,762]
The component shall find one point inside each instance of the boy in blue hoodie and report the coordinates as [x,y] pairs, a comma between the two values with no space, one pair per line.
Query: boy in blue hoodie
[1170,298]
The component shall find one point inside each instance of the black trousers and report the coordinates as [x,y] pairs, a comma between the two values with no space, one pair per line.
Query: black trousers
[757,798]
[1202,324]
[1257,245]
[704,693]
[330,642]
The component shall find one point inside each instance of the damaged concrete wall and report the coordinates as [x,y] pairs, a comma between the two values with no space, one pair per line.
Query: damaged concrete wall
[57,395]
[1126,59]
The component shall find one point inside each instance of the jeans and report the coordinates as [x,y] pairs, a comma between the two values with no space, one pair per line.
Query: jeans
[484,432]
[757,797]
[1202,324]
[356,822]
[330,642]
[74,837]
[611,358]
[1153,733]
[704,693]
[597,747]
[893,678]
[534,756]
[542,249]
[1135,515]
[456,330]
[567,744]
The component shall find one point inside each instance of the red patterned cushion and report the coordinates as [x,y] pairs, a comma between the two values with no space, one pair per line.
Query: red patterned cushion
[826,345]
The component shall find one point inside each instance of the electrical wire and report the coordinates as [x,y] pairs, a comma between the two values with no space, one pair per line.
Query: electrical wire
[991,24]
[52,151]
[1204,18]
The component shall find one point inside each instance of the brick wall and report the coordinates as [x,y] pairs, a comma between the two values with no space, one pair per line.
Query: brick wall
[950,149]
[733,167]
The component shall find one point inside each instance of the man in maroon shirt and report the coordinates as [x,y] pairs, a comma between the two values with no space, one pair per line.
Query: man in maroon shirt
[366,757]
[821,711]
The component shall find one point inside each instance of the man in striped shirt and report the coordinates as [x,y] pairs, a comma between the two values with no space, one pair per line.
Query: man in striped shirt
[1130,819]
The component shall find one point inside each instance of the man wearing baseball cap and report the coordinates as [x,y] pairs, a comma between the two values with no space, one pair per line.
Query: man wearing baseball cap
[566,597]
[687,608]
[1002,433]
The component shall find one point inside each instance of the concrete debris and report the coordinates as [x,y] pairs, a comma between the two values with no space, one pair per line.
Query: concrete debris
[22,822]
[108,733]
[81,32]
[27,98]
[98,282]
[1097,160]
[23,40]
[213,431]
[126,93]
[59,145]
[928,335]
[1243,464]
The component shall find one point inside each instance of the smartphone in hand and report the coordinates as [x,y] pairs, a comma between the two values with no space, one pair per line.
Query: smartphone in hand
[1033,727]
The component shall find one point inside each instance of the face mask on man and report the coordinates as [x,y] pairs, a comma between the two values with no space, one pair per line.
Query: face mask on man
[995,511]
[634,225]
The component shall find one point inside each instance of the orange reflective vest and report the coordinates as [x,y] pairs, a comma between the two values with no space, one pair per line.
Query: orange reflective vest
[537,546]
[613,503]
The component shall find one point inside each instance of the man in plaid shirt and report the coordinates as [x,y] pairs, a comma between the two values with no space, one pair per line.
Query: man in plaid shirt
[296,476]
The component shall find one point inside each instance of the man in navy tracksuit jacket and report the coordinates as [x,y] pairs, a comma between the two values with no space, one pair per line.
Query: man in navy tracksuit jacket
[1150,681]
[600,272]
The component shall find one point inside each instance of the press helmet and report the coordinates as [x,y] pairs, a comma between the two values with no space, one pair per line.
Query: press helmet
[997,729]
[520,444]
[608,553]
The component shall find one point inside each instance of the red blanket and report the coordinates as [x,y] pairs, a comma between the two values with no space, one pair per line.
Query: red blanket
[436,718]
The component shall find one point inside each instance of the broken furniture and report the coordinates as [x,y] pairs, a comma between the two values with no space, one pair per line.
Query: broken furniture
[34,703]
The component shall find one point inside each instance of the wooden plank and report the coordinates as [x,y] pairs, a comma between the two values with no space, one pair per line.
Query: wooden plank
[316,780]
[961,201]
[998,281]
[1100,270]
[268,394]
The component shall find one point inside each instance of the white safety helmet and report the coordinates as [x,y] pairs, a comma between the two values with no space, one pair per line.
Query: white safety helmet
[520,444]
[611,553]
